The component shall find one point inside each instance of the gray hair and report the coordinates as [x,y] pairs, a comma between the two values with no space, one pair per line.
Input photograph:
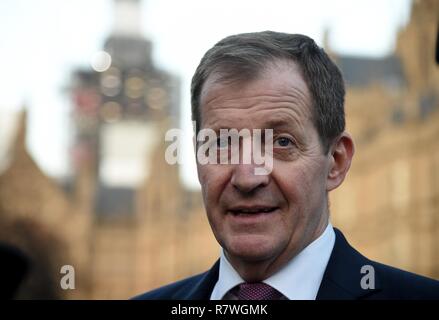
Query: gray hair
[243,57]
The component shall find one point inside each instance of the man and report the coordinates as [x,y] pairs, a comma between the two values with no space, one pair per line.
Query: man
[274,230]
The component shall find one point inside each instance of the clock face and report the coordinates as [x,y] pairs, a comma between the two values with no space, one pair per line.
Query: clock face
[156,98]
[110,82]
[134,87]
[132,92]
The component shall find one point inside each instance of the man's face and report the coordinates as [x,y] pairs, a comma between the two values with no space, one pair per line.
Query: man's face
[294,193]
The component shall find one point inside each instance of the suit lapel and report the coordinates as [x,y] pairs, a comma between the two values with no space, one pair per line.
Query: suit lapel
[342,277]
[203,288]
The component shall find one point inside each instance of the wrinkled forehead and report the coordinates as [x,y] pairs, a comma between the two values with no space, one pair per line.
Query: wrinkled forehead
[232,74]
[277,77]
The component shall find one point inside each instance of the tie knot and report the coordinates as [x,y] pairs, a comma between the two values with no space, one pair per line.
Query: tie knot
[257,291]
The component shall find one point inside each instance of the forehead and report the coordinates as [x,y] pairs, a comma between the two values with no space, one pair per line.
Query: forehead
[279,91]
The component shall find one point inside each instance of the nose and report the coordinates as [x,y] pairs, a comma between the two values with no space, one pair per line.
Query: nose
[245,180]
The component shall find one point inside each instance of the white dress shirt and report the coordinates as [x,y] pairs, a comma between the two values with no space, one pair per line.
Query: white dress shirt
[299,279]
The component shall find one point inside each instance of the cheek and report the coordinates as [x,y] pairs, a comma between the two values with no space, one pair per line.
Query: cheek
[301,185]
[289,177]
[212,178]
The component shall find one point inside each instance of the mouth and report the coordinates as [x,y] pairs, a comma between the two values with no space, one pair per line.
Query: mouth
[252,211]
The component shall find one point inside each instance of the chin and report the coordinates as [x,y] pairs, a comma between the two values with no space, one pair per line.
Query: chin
[251,248]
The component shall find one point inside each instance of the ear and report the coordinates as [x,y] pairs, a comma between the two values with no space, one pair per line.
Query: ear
[341,154]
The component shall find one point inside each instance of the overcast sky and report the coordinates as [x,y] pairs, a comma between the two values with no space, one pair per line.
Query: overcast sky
[42,41]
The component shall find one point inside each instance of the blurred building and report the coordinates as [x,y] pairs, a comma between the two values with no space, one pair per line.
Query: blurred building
[124,220]
[37,218]
[144,222]
[120,107]
[389,204]
[126,223]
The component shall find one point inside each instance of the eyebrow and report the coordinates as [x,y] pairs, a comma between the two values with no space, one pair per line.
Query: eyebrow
[282,122]
[289,123]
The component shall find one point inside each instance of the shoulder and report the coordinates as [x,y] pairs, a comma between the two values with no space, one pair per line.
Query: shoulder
[400,284]
[349,274]
[174,291]
[198,287]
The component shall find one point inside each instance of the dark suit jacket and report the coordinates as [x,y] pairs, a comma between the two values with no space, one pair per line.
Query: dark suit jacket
[341,280]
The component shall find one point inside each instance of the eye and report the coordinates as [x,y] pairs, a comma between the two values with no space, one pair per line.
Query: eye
[283,142]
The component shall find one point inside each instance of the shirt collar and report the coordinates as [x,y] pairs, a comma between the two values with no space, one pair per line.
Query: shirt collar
[299,279]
